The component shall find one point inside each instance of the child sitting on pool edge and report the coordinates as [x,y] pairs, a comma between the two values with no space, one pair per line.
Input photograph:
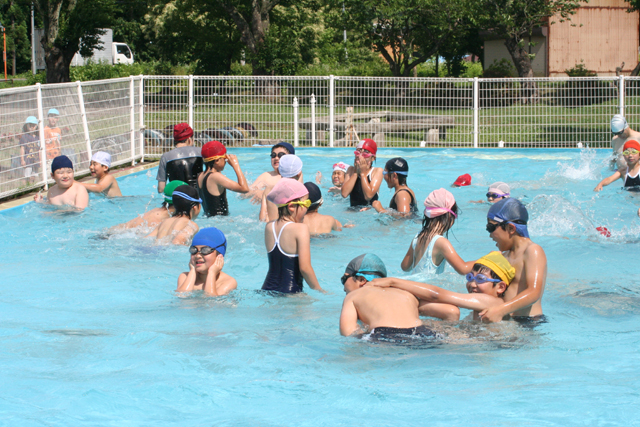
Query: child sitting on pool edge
[207,250]
[180,226]
[67,191]
[105,183]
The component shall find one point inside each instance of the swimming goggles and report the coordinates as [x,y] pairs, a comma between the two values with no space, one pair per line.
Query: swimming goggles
[205,250]
[618,133]
[492,227]
[304,204]
[344,278]
[480,278]
[214,158]
[278,155]
[496,195]
[363,153]
[630,152]
[187,197]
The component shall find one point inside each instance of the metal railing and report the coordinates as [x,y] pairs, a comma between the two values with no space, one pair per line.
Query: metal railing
[132,118]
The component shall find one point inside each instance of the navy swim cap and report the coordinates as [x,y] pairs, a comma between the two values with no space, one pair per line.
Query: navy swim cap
[512,211]
[368,265]
[61,162]
[286,146]
[315,195]
[211,237]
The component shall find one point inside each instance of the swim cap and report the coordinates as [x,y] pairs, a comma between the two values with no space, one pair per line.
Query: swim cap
[286,190]
[31,120]
[290,165]
[169,188]
[211,237]
[369,145]
[632,143]
[315,195]
[439,202]
[53,112]
[497,263]
[102,157]
[463,180]
[213,150]
[512,211]
[286,146]
[618,123]
[340,166]
[499,188]
[61,162]
[397,165]
[368,265]
[182,132]
[184,197]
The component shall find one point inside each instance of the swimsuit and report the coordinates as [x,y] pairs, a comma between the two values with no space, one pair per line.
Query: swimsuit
[357,195]
[530,322]
[399,335]
[181,164]
[284,269]
[632,183]
[211,204]
[413,206]
[426,264]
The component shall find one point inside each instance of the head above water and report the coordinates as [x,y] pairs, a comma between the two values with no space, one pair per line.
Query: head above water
[212,151]
[510,211]
[315,195]
[184,198]
[181,133]
[369,266]
[618,124]
[211,237]
[631,144]
[498,190]
[290,166]
[61,162]
[102,157]
[462,181]
[283,144]
[169,189]
[285,191]
[498,264]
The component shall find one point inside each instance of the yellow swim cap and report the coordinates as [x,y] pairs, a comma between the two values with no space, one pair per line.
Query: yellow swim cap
[499,265]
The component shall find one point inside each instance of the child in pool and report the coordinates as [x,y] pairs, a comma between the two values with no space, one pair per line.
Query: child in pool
[207,250]
[180,227]
[507,226]
[290,166]
[338,176]
[496,192]
[318,223]
[156,215]
[363,181]
[67,191]
[486,284]
[403,203]
[105,183]
[287,240]
[629,173]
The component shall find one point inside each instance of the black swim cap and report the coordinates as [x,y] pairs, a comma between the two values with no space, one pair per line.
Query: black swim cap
[315,195]
[397,165]
[184,197]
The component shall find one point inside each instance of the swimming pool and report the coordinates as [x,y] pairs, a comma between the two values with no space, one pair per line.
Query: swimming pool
[92,333]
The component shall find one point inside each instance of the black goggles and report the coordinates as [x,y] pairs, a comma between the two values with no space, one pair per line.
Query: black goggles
[278,155]
[205,250]
[492,227]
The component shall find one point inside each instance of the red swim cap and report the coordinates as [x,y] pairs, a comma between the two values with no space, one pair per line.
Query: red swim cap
[213,150]
[604,231]
[181,132]
[632,143]
[369,145]
[463,180]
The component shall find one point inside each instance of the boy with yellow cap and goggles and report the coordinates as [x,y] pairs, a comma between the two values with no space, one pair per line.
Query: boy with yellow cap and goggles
[487,282]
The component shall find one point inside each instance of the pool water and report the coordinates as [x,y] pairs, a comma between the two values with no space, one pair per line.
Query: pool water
[92,332]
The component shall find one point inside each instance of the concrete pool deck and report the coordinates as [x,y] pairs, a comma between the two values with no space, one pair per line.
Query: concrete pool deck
[124,171]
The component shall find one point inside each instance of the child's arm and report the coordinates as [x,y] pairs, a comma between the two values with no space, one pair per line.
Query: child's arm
[349,318]
[407,262]
[369,189]
[432,293]
[607,181]
[186,281]
[447,312]
[239,187]
[336,225]
[304,258]
[535,272]
[264,211]
[349,182]
[444,247]
[101,186]
[82,198]
[227,286]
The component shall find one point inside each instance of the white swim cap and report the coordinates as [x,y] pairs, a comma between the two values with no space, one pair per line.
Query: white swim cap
[102,157]
[618,123]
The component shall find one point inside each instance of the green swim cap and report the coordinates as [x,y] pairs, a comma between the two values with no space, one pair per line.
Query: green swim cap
[168,190]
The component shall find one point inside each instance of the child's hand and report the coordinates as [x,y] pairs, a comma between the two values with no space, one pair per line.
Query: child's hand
[192,264]
[38,197]
[217,265]
[233,160]
[318,177]
[598,188]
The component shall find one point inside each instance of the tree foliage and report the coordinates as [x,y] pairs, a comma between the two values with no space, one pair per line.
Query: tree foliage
[14,15]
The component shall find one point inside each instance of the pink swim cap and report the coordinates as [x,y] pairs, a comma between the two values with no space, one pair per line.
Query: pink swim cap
[439,202]
[286,190]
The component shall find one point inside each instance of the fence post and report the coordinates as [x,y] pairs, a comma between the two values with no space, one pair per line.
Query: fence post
[296,135]
[141,113]
[132,120]
[83,115]
[332,94]
[621,93]
[313,120]
[43,147]
[191,101]
[476,108]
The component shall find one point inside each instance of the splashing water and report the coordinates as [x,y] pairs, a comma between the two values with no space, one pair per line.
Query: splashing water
[586,167]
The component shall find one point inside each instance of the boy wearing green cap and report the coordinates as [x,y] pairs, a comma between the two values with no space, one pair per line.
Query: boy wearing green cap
[486,284]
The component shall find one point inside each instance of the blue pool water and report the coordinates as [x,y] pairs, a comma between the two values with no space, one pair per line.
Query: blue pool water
[92,332]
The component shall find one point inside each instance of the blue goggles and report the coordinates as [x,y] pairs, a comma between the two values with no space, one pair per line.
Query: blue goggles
[480,278]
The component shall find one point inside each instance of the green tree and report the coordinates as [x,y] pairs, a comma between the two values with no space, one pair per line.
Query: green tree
[71,26]
[14,15]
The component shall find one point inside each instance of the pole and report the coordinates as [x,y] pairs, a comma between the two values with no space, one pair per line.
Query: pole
[190,118]
[476,103]
[85,125]
[331,107]
[621,91]
[132,120]
[296,136]
[43,147]
[141,114]
[313,120]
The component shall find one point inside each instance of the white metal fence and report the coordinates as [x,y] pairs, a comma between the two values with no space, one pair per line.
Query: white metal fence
[133,117]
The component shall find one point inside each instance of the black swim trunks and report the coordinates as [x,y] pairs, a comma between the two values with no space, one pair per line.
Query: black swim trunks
[400,335]
[530,321]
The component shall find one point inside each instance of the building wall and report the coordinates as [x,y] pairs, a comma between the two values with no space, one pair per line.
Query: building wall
[602,34]
[495,50]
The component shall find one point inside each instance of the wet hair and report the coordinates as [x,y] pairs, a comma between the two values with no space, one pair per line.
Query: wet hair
[283,211]
[402,179]
[441,223]
[182,205]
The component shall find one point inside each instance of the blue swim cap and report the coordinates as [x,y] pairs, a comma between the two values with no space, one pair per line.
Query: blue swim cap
[512,211]
[61,162]
[286,146]
[211,237]
[368,265]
